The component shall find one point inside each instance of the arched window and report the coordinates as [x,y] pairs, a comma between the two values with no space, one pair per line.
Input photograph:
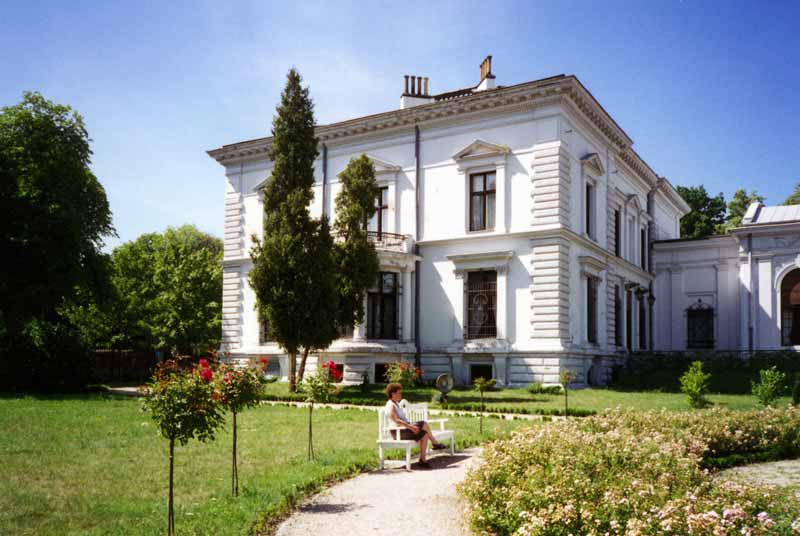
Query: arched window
[700,326]
[790,309]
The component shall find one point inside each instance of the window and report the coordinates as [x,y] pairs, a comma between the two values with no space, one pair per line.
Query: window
[617,316]
[481,298]
[700,326]
[631,254]
[380,372]
[628,320]
[382,308]
[790,309]
[617,231]
[345,332]
[380,220]
[589,223]
[591,310]
[481,201]
[264,335]
[642,325]
[643,248]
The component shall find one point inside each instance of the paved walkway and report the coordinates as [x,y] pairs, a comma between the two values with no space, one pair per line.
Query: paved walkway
[785,473]
[392,502]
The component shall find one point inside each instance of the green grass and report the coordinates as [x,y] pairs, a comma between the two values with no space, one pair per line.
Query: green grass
[95,465]
[519,400]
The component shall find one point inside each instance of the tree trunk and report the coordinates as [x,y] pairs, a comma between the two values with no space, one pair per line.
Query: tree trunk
[170,510]
[481,412]
[310,441]
[566,398]
[302,365]
[292,369]
[235,471]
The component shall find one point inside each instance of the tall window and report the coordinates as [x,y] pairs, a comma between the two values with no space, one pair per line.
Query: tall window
[481,201]
[617,232]
[617,316]
[382,308]
[628,320]
[591,310]
[481,298]
[264,335]
[589,216]
[790,309]
[642,325]
[643,248]
[380,220]
[700,326]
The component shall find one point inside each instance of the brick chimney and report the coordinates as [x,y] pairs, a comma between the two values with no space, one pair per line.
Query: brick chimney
[416,92]
[487,78]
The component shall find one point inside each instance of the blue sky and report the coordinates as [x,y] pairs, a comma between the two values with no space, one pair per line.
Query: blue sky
[709,91]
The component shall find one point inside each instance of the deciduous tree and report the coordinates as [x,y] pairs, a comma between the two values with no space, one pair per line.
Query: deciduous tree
[737,207]
[794,197]
[707,212]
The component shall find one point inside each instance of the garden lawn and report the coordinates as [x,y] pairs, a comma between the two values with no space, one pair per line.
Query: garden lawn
[521,401]
[96,465]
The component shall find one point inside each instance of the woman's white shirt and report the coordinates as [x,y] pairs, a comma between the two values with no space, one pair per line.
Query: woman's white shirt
[390,405]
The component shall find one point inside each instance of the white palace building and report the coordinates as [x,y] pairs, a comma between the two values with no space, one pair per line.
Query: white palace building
[520,234]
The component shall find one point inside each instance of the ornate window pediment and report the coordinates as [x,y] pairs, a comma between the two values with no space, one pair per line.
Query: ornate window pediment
[479,149]
[593,164]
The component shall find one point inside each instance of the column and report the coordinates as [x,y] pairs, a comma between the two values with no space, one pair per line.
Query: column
[501,189]
[501,314]
[767,323]
[500,369]
[744,304]
[459,318]
[407,303]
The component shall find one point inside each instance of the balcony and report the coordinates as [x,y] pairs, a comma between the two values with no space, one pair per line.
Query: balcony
[390,241]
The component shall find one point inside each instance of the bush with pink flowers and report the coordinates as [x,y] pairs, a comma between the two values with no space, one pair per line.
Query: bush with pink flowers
[631,474]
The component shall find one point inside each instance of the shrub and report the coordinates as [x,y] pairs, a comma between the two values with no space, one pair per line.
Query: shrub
[403,373]
[796,390]
[770,386]
[536,388]
[694,383]
[631,473]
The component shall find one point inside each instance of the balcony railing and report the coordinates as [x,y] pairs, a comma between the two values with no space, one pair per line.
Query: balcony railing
[388,241]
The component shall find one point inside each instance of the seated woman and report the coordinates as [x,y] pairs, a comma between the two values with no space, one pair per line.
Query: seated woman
[418,431]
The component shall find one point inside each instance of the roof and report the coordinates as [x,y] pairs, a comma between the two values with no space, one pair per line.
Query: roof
[758,214]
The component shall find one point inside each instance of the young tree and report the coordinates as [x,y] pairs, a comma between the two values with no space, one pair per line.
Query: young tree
[282,273]
[318,388]
[55,219]
[737,207]
[707,212]
[183,406]
[356,259]
[794,197]
[482,385]
[238,390]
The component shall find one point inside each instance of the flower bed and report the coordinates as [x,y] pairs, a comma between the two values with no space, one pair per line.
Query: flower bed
[634,473]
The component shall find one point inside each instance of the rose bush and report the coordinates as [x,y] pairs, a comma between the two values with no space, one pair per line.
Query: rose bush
[403,373]
[632,473]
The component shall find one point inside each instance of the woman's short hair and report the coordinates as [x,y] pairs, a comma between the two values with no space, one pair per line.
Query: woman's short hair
[391,389]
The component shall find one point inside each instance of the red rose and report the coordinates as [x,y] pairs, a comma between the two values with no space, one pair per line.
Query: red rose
[263,360]
[206,374]
[204,363]
[418,372]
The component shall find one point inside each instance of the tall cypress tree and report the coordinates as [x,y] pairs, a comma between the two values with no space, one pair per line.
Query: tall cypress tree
[356,259]
[283,261]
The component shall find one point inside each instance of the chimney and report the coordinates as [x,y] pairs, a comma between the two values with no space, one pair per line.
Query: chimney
[487,78]
[415,92]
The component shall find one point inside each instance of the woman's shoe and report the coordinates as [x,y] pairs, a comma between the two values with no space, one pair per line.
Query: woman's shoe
[439,446]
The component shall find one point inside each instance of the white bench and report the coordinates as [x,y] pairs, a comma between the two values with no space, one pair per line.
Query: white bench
[389,432]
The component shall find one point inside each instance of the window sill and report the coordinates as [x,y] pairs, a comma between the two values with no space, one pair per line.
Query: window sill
[480,231]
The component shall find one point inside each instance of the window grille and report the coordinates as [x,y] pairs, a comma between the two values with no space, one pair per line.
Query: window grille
[382,308]
[700,326]
[481,298]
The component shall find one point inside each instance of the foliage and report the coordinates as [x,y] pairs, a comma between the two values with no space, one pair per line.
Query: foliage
[796,390]
[626,473]
[770,386]
[707,212]
[737,207]
[694,384]
[403,373]
[183,406]
[794,197]
[239,389]
[536,388]
[55,219]
[356,259]
[318,388]
[286,270]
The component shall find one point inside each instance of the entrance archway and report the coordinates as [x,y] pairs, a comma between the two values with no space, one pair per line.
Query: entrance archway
[790,309]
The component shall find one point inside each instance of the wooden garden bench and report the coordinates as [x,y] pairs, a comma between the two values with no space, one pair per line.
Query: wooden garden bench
[389,432]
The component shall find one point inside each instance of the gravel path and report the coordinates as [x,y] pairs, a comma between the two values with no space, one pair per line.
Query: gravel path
[784,473]
[389,503]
